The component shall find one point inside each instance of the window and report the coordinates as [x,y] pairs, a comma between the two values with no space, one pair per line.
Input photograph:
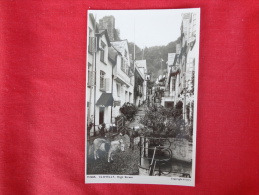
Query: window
[122,64]
[102,56]
[102,53]
[102,81]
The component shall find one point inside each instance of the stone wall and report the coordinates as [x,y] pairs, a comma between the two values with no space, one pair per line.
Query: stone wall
[181,149]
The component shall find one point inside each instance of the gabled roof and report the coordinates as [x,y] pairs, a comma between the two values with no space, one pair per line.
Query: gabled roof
[104,32]
[141,63]
[120,45]
[91,16]
[139,73]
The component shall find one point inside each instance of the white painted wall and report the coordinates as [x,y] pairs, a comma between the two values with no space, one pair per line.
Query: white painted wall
[100,66]
[107,68]
[122,80]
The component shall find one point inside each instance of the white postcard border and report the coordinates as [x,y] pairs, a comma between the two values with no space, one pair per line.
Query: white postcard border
[158,180]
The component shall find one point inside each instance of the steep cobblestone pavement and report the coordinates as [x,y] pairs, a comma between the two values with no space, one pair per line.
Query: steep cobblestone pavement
[124,163]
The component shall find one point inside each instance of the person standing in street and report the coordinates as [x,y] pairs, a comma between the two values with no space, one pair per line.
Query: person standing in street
[102,130]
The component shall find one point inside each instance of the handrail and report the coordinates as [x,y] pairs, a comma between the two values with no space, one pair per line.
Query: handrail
[151,164]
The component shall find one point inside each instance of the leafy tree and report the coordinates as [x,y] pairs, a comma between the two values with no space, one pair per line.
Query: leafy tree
[163,121]
[166,122]
[153,117]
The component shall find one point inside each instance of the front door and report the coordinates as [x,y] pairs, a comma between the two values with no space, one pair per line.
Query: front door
[101,115]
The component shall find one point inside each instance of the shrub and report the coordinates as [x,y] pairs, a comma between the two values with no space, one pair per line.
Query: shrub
[166,122]
[129,111]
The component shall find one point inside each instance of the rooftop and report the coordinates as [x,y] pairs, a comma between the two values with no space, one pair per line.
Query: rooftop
[141,63]
[112,53]
[120,45]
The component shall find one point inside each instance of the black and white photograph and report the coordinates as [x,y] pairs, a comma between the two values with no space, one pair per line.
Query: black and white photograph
[141,96]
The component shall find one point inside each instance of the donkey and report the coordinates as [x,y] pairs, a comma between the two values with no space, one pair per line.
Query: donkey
[106,146]
[132,133]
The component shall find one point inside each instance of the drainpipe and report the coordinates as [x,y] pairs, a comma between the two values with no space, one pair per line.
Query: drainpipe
[94,90]
[112,96]
[97,40]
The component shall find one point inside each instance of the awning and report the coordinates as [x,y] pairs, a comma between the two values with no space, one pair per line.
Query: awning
[105,100]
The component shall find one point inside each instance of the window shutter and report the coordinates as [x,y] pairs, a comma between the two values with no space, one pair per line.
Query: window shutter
[92,44]
[90,78]
[102,56]
[107,84]
[93,78]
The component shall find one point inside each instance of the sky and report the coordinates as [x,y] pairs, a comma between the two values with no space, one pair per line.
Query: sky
[152,27]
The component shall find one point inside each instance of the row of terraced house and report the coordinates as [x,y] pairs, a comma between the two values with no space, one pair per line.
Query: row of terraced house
[113,77]
[177,85]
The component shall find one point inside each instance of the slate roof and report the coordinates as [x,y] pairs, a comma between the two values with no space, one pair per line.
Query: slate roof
[104,32]
[120,45]
[141,63]
[112,54]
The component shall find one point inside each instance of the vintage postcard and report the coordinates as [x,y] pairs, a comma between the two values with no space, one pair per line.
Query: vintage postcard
[141,96]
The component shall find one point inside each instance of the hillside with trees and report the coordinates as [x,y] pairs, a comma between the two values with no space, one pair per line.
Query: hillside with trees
[153,55]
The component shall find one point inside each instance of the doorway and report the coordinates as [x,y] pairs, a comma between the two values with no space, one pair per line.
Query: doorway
[101,115]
